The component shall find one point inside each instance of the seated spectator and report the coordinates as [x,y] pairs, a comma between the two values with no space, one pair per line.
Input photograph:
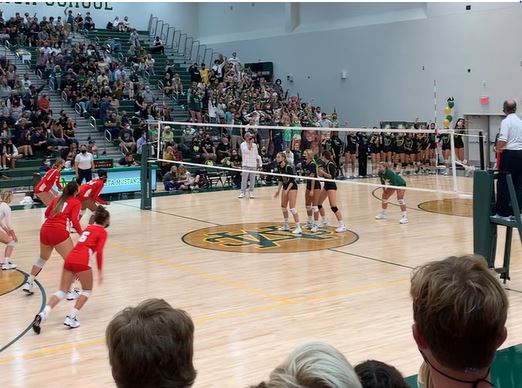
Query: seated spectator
[196,153]
[167,136]
[141,141]
[69,155]
[24,144]
[127,160]
[126,138]
[157,46]
[139,357]
[148,96]
[175,179]
[39,140]
[208,148]
[312,365]
[43,103]
[459,313]
[377,374]
[223,150]
[8,154]
[204,74]
[88,23]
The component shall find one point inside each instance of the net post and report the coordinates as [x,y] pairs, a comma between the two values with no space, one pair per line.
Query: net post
[146,190]
[453,162]
[481,151]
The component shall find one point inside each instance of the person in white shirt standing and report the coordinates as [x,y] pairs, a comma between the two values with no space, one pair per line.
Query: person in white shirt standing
[84,165]
[509,144]
[250,163]
[7,234]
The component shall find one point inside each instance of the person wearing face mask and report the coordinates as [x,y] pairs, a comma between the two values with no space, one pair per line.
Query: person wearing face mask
[208,148]
[84,165]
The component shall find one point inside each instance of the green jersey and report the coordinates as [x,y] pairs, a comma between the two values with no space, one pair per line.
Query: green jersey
[388,177]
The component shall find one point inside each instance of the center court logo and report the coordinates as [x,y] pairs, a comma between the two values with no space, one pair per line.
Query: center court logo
[264,237]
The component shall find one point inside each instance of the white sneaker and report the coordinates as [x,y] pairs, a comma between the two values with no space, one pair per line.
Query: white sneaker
[323,223]
[73,323]
[380,216]
[341,229]
[315,229]
[251,195]
[241,195]
[73,294]
[309,225]
[297,230]
[7,266]
[284,228]
[403,220]
[28,288]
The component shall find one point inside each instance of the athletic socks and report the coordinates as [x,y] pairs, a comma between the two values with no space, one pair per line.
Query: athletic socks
[74,312]
[30,279]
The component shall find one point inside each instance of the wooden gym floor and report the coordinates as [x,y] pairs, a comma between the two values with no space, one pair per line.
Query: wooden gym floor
[250,309]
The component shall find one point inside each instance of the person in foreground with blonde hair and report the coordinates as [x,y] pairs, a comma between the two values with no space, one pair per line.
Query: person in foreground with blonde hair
[313,365]
[7,234]
[459,313]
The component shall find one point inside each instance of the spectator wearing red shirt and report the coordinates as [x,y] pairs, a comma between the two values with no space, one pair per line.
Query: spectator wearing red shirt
[54,233]
[78,265]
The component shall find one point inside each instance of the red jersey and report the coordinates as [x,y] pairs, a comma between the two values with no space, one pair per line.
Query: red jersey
[91,189]
[89,245]
[70,211]
[51,178]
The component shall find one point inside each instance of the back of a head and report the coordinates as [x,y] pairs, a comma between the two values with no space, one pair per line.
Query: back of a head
[377,374]
[151,346]
[314,365]
[460,310]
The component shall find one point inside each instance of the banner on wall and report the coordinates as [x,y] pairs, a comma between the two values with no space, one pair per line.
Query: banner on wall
[87,5]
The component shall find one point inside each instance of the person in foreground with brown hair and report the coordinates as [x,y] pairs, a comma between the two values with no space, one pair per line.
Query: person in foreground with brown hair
[151,346]
[459,313]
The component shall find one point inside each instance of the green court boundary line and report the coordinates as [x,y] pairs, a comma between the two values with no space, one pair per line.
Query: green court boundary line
[24,332]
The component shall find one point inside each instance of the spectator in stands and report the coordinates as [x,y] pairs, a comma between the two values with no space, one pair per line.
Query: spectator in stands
[127,160]
[8,154]
[157,46]
[459,313]
[126,138]
[141,141]
[194,103]
[194,73]
[43,103]
[84,165]
[377,374]
[223,149]
[24,144]
[204,74]
[148,96]
[196,151]
[39,140]
[315,364]
[139,357]
[208,148]
[89,22]
[134,39]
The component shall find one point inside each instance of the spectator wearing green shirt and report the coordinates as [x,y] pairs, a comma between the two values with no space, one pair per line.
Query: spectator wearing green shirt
[388,177]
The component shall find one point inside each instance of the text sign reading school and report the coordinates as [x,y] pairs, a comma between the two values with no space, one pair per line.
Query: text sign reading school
[68,4]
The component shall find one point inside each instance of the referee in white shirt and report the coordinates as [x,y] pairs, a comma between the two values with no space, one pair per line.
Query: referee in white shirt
[84,165]
[509,144]
[250,162]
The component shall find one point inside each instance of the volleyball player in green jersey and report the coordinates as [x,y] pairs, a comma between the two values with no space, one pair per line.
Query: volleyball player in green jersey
[289,195]
[375,150]
[387,143]
[313,188]
[409,151]
[350,152]
[400,156]
[388,177]
[328,171]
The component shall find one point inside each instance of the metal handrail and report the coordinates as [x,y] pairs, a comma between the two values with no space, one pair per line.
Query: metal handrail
[211,54]
[64,98]
[166,42]
[52,86]
[160,87]
[188,46]
[39,73]
[197,54]
[162,29]
[92,122]
[175,45]
[77,109]
[184,44]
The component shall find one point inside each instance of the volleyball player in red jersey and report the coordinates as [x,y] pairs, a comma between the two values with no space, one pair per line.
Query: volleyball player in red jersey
[78,265]
[89,194]
[54,233]
[44,188]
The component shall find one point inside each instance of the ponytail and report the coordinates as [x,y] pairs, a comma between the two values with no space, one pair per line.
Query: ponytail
[58,162]
[68,192]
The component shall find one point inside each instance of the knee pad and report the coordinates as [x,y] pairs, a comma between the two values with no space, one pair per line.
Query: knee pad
[11,243]
[293,210]
[309,208]
[334,209]
[315,209]
[59,294]
[39,262]
[319,207]
[86,293]
[283,209]
[402,202]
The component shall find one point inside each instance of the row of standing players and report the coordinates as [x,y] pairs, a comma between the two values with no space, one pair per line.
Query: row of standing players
[326,169]
[61,211]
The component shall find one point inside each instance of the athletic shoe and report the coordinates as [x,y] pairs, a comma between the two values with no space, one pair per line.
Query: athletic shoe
[6,266]
[251,195]
[315,229]
[284,228]
[73,294]
[323,223]
[403,220]
[73,323]
[28,288]
[37,322]
[309,225]
[341,229]
[297,230]
[380,216]
[241,195]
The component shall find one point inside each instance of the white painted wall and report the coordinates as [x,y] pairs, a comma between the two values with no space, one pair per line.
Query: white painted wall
[385,62]
[182,15]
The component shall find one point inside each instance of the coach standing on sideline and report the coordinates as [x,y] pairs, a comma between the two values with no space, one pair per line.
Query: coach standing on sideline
[509,144]
[250,162]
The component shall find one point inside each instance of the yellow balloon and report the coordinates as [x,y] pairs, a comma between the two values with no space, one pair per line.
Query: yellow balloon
[447,110]
[446,123]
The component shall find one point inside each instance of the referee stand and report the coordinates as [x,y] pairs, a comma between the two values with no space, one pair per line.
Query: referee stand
[485,223]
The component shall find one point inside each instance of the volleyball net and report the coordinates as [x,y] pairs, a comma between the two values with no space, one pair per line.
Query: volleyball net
[205,155]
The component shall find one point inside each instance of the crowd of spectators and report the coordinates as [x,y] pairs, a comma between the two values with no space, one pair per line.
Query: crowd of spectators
[459,313]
